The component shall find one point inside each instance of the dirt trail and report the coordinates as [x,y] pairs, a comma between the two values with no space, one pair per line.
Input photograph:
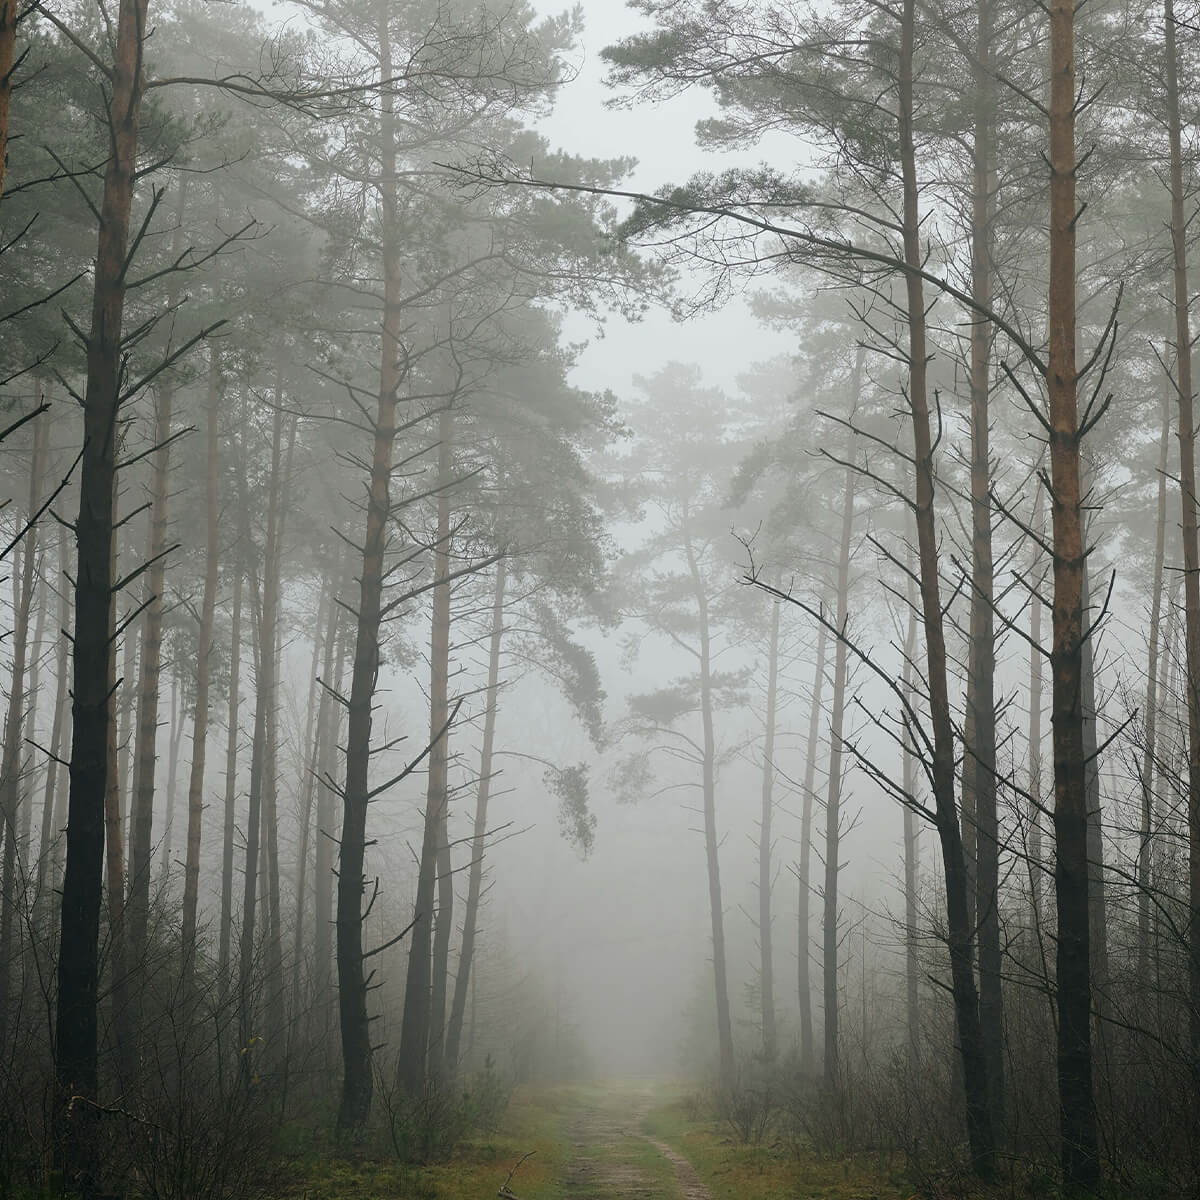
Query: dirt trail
[612,1159]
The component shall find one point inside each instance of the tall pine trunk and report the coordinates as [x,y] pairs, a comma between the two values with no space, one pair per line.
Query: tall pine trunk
[912,963]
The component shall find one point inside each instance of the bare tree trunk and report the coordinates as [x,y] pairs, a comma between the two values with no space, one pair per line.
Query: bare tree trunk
[9,13]
[912,964]
[1191,543]
[1080,1160]
[1146,831]
[1036,865]
[833,794]
[50,830]
[145,755]
[808,1052]
[479,831]
[326,626]
[29,735]
[352,987]
[327,832]
[766,974]
[711,840]
[231,757]
[174,741]
[438,797]
[959,928]
[12,896]
[208,610]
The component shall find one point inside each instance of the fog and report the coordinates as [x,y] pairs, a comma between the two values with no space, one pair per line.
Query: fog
[644,547]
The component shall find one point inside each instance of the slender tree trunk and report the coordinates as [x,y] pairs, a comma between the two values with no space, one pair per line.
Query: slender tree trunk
[979,759]
[959,928]
[352,987]
[912,964]
[208,611]
[1036,864]
[174,741]
[766,974]
[1191,543]
[327,832]
[711,840]
[1146,831]
[833,794]
[141,846]
[231,761]
[479,831]
[1080,1159]
[1097,901]
[124,701]
[50,830]
[327,611]
[11,895]
[438,797]
[264,702]
[29,735]
[808,1052]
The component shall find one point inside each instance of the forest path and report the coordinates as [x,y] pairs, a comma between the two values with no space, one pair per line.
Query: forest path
[611,1156]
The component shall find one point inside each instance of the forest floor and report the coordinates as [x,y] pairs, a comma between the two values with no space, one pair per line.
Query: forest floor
[626,1140]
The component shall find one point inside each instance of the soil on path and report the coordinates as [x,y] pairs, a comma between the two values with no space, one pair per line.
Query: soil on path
[613,1159]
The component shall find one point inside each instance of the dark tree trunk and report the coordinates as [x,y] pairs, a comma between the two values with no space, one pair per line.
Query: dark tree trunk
[1036,864]
[466,958]
[352,987]
[1080,1158]
[959,929]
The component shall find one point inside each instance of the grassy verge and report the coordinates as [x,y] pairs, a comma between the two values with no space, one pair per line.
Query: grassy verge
[769,1171]
[533,1121]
